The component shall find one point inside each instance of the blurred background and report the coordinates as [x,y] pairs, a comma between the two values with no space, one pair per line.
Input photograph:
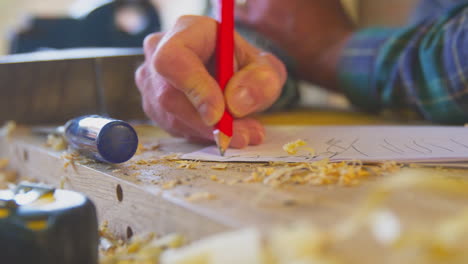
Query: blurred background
[25,24]
[14,13]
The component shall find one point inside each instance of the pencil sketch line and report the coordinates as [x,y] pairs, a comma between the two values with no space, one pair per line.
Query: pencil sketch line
[441,147]
[421,146]
[356,149]
[334,143]
[390,144]
[458,143]
[394,151]
[414,149]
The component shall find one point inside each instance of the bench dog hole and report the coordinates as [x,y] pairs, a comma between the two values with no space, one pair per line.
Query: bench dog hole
[129,232]
[119,192]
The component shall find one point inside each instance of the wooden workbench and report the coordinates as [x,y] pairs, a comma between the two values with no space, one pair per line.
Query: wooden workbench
[132,198]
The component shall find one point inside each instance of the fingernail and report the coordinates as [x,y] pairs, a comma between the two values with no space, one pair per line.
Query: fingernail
[209,114]
[243,102]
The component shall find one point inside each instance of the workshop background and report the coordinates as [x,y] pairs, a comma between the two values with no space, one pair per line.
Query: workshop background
[14,13]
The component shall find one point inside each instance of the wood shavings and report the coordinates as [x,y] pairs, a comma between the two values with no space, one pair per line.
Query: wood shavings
[171,157]
[195,197]
[138,250]
[70,159]
[219,167]
[4,163]
[142,148]
[214,178]
[56,142]
[319,173]
[188,165]
[170,184]
[293,147]
[143,162]
[8,129]
[135,174]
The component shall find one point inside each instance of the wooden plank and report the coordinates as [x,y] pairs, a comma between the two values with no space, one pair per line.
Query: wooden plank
[52,87]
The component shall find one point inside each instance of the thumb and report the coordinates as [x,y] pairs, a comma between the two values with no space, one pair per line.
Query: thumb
[256,86]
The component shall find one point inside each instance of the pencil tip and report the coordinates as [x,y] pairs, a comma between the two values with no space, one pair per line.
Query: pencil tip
[222,141]
[221,151]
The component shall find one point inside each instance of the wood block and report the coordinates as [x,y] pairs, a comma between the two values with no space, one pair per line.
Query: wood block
[52,87]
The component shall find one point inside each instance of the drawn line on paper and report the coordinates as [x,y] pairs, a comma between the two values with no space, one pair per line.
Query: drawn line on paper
[420,152]
[441,147]
[421,146]
[458,143]
[395,147]
[333,143]
[356,149]
[392,150]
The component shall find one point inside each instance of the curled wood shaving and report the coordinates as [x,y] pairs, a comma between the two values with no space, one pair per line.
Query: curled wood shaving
[292,147]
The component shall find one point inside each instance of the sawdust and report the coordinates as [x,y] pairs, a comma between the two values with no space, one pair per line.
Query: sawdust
[145,147]
[319,173]
[8,176]
[187,164]
[8,129]
[219,166]
[4,163]
[56,142]
[170,184]
[195,197]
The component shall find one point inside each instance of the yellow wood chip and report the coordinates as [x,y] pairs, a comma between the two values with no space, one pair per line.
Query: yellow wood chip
[188,164]
[194,197]
[219,167]
[292,147]
[214,178]
[4,163]
[170,184]
[56,142]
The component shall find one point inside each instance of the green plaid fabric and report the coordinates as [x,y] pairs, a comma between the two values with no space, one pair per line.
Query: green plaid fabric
[422,67]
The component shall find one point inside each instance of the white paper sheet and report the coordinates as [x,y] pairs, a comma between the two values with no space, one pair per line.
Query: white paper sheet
[341,143]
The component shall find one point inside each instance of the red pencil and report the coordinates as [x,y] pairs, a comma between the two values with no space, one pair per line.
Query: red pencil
[225,68]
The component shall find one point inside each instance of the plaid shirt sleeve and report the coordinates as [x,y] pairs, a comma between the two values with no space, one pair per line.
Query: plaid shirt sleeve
[423,67]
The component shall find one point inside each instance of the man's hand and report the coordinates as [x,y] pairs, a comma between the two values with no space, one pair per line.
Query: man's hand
[313,32]
[181,95]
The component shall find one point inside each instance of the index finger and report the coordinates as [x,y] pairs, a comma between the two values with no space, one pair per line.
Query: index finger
[180,58]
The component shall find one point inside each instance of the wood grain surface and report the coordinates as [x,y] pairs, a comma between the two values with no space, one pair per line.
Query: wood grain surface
[133,199]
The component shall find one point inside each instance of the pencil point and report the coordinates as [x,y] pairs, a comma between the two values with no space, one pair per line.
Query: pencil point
[222,141]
